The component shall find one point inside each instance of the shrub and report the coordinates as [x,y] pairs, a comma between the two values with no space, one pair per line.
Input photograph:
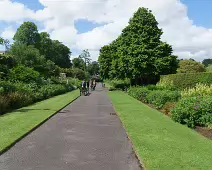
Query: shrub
[193,111]
[186,80]
[139,93]
[52,90]
[160,97]
[168,107]
[120,84]
[17,100]
[158,87]
[209,68]
[190,66]
[198,90]
[4,104]
[24,74]
[75,82]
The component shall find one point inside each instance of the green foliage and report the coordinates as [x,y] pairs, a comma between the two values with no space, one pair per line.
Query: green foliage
[85,56]
[6,63]
[160,97]
[1,41]
[27,34]
[79,74]
[4,104]
[168,107]
[193,111]
[207,62]
[183,81]
[18,99]
[78,63]
[24,74]
[140,93]
[138,52]
[189,66]
[120,84]
[75,82]
[93,68]
[209,68]
[52,90]
[198,90]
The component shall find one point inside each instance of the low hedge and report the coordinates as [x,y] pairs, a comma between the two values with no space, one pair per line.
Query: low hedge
[119,84]
[18,94]
[156,97]
[186,80]
[193,111]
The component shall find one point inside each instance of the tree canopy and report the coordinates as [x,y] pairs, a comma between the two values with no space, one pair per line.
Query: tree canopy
[138,53]
[207,62]
[27,34]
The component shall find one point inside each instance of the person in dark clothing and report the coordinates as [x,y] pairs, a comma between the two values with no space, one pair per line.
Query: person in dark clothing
[87,84]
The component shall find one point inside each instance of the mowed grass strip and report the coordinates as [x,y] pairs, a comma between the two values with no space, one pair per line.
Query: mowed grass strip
[16,124]
[161,143]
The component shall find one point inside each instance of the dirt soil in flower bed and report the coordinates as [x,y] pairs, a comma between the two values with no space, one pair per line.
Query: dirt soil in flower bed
[204,131]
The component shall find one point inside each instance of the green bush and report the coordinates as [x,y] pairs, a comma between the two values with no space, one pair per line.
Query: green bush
[24,74]
[120,84]
[139,93]
[169,106]
[185,80]
[17,100]
[160,97]
[198,90]
[193,111]
[4,104]
[52,90]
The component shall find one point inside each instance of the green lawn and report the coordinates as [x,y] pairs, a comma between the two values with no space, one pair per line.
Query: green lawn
[161,143]
[18,123]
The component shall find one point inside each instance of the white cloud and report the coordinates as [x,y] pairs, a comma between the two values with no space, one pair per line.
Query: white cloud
[8,33]
[14,11]
[58,17]
[188,40]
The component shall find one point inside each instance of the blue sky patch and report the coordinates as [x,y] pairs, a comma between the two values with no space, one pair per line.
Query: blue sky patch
[84,26]
[200,12]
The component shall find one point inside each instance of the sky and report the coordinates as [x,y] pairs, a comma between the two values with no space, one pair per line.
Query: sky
[91,24]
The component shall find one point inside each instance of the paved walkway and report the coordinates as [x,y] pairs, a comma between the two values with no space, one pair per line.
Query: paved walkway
[83,136]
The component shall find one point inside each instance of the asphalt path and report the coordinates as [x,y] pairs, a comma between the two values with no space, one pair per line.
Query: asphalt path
[86,135]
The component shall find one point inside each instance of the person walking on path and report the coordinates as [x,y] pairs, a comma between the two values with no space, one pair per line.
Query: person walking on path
[91,84]
[87,84]
[94,85]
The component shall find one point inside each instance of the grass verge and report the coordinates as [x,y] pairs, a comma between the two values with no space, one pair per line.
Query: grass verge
[161,143]
[17,124]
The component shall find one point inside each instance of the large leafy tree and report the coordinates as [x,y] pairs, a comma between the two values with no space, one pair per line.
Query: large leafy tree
[85,55]
[93,68]
[60,54]
[189,66]
[78,63]
[27,34]
[138,52]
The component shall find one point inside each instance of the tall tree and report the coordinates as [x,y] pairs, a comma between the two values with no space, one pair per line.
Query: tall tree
[86,57]
[138,52]
[93,68]
[207,62]
[60,54]
[27,34]
[45,46]
[78,63]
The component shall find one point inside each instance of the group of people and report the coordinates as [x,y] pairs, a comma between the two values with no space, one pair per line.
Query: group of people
[86,85]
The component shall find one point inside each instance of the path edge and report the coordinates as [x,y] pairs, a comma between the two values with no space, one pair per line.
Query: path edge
[34,128]
[142,166]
